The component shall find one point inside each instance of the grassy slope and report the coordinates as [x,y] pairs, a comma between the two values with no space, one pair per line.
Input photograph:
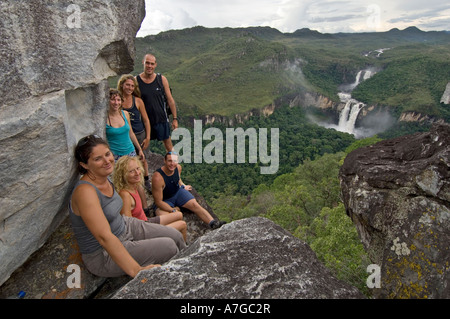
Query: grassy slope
[226,71]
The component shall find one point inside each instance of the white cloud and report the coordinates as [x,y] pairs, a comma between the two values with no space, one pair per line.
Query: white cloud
[289,15]
[162,18]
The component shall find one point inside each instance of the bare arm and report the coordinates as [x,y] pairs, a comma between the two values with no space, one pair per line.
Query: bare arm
[170,101]
[134,138]
[127,206]
[180,182]
[141,107]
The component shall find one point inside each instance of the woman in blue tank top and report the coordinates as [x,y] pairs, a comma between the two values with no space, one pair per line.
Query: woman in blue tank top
[111,244]
[119,134]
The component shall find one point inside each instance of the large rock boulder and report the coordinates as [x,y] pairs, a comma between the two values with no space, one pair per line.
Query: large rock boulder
[55,57]
[397,193]
[249,258]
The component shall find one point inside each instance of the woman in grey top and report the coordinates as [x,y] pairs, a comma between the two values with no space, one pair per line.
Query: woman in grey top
[111,244]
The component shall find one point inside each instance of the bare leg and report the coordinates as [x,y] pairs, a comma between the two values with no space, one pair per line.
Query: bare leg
[202,213]
[174,220]
[181,226]
[168,144]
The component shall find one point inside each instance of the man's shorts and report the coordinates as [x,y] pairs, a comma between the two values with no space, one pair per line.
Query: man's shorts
[160,131]
[180,198]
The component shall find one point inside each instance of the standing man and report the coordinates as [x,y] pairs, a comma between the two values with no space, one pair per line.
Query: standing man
[169,191]
[153,96]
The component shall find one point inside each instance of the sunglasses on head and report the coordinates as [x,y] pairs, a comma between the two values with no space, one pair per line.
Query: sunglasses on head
[83,141]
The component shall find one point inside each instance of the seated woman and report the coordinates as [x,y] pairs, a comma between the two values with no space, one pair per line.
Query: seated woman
[111,244]
[128,180]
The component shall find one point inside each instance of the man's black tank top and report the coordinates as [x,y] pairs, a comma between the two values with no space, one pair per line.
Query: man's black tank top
[135,117]
[152,95]
[171,183]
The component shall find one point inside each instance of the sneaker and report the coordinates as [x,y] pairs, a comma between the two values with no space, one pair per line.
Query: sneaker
[216,224]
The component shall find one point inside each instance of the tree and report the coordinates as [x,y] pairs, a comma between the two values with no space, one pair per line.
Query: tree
[334,239]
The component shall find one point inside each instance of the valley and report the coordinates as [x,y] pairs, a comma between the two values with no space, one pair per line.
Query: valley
[327,94]
[223,71]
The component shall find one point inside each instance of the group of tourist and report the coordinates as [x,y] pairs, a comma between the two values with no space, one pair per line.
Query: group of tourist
[115,229]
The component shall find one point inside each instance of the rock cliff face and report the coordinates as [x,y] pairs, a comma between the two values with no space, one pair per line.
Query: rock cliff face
[54,62]
[300,99]
[249,258]
[397,193]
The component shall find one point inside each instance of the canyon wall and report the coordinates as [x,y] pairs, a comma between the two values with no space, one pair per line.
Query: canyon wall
[55,59]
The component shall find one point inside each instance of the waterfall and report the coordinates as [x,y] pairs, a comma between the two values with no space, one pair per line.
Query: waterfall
[348,116]
[366,74]
[351,107]
[357,81]
[350,112]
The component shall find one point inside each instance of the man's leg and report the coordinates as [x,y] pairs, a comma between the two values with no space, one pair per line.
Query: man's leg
[162,133]
[168,144]
[184,198]
[202,213]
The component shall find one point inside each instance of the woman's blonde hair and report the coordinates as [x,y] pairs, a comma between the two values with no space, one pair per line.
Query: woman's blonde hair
[123,78]
[121,171]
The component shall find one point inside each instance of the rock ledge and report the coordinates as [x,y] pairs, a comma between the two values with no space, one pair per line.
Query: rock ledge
[248,258]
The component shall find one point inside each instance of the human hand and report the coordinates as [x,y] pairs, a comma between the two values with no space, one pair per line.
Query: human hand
[150,266]
[174,124]
[141,155]
[145,144]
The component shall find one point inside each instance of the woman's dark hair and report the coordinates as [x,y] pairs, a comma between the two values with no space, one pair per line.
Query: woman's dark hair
[113,92]
[84,148]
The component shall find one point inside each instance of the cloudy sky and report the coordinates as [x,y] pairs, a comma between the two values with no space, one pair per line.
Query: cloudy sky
[326,16]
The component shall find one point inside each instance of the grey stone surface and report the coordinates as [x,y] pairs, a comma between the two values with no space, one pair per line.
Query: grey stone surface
[249,258]
[397,193]
[55,58]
